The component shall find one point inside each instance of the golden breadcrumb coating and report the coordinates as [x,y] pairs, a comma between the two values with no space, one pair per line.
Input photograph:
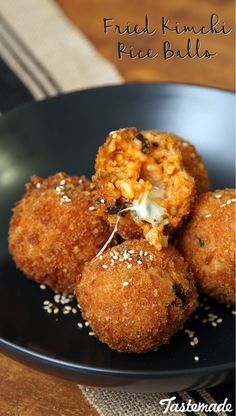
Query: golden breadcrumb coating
[135,297]
[135,170]
[193,162]
[54,229]
[207,242]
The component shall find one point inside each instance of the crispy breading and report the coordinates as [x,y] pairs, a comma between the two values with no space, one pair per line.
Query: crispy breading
[128,167]
[135,297]
[207,242]
[55,228]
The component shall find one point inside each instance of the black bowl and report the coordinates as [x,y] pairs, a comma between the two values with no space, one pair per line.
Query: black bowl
[63,134]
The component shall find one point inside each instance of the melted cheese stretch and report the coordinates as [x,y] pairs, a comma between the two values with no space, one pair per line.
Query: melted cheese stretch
[147,209]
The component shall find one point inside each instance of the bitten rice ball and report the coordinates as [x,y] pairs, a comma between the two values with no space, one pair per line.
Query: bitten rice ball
[193,163]
[142,176]
[135,297]
[55,229]
[208,244]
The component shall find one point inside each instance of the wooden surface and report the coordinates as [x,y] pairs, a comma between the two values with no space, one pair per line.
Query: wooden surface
[23,391]
[217,71]
[26,392]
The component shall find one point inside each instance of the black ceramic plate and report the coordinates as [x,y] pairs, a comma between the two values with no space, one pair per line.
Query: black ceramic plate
[63,134]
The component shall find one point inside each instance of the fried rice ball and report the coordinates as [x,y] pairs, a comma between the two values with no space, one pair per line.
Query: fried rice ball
[136,297]
[193,162]
[141,175]
[55,229]
[208,244]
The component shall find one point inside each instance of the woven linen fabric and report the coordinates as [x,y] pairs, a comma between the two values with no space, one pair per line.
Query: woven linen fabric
[47,53]
[43,54]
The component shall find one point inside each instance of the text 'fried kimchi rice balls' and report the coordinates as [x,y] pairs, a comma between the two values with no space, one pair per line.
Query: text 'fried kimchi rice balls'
[207,242]
[136,297]
[143,173]
[54,229]
[193,162]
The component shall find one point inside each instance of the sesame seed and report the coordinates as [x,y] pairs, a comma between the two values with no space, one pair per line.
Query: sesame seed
[74,310]
[208,216]
[86,323]
[104,266]
[139,262]
[91,333]
[43,287]
[102,201]
[91,208]
[46,302]
[214,324]
[129,266]
[38,185]
[114,135]
[80,325]
[125,283]
[57,298]
[62,182]
[145,253]
[233,200]
[131,251]
[56,311]
[196,358]
[192,343]
[65,312]
[219,320]
[223,205]
[234,312]
[229,201]
[218,196]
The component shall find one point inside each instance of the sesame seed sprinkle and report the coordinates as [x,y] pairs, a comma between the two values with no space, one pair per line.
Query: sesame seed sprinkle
[91,208]
[223,205]
[43,287]
[196,358]
[104,266]
[208,216]
[125,283]
[218,196]
[91,333]
[38,185]
[80,325]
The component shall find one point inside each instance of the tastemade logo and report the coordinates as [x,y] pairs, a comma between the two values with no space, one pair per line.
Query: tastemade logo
[189,406]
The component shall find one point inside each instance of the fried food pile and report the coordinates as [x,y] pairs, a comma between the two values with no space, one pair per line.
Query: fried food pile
[111,239]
